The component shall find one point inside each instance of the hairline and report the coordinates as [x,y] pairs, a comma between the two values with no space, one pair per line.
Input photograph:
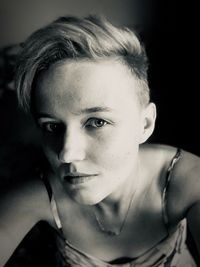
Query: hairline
[141,83]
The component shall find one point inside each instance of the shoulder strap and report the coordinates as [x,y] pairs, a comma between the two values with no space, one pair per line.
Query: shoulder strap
[52,200]
[174,160]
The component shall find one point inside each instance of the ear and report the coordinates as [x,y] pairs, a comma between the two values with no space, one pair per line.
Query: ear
[148,122]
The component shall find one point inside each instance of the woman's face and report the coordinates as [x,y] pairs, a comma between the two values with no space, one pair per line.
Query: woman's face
[92,125]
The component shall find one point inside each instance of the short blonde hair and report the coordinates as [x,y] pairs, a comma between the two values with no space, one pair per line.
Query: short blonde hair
[90,38]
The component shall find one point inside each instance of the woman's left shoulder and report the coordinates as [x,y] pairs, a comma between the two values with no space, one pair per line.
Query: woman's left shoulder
[186,167]
[186,172]
[184,184]
[186,177]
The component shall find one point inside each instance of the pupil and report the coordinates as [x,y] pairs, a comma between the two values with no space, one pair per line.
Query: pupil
[53,127]
[99,123]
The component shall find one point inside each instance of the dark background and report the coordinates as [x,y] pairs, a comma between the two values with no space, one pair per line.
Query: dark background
[172,48]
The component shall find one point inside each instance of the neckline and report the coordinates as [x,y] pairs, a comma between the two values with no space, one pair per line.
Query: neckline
[156,246]
[170,233]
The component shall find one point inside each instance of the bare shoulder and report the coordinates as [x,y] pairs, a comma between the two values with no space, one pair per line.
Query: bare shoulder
[163,155]
[185,181]
[28,197]
[184,187]
[157,156]
[21,206]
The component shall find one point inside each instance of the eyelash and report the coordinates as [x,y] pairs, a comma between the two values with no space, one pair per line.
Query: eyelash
[46,127]
[90,123]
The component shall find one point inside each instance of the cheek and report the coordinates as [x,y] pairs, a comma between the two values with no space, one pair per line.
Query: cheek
[51,154]
[52,144]
[120,147]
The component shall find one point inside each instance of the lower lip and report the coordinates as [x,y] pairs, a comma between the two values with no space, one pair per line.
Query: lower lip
[76,180]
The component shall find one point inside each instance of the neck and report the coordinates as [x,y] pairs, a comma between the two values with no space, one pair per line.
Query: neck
[114,210]
[117,201]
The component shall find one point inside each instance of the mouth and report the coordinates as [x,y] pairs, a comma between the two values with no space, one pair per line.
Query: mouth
[78,178]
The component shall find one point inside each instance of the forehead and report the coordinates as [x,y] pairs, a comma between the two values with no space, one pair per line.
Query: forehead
[86,83]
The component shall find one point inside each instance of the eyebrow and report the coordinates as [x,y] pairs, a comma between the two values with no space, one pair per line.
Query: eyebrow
[82,111]
[95,109]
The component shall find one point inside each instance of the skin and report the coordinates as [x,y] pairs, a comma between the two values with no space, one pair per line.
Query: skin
[100,124]
[92,122]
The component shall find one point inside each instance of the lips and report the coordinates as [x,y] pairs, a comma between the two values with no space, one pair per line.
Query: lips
[78,178]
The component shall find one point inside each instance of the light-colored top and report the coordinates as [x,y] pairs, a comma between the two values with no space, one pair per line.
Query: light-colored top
[169,252]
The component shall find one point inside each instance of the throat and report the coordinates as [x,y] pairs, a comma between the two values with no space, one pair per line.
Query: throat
[111,214]
[111,219]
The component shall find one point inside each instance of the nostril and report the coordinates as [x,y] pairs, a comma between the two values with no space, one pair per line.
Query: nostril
[73,147]
[61,157]
[64,156]
[70,156]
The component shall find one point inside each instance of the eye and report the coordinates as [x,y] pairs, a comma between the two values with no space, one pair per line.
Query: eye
[52,127]
[96,123]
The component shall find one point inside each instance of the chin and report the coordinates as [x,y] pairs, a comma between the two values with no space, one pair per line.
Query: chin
[86,199]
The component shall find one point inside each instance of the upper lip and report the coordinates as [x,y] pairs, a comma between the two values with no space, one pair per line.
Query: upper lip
[78,174]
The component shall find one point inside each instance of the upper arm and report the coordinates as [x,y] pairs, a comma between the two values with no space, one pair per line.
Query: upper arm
[184,194]
[193,211]
[193,219]
[20,209]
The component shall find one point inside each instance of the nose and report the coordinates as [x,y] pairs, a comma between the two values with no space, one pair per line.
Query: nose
[73,148]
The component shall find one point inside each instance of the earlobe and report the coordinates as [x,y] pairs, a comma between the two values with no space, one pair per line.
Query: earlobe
[148,125]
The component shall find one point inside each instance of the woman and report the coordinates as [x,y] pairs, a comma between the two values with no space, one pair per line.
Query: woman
[111,199]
